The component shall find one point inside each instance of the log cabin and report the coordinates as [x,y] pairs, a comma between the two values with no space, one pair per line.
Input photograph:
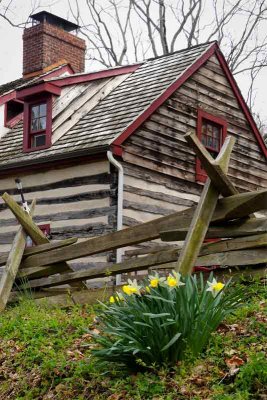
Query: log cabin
[104,150]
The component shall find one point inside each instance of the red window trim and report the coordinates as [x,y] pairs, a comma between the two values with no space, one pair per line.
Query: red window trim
[200,176]
[27,120]
[9,123]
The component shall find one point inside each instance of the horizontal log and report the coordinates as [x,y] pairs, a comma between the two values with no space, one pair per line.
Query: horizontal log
[101,178]
[41,248]
[94,295]
[237,228]
[225,209]
[248,242]
[66,215]
[232,258]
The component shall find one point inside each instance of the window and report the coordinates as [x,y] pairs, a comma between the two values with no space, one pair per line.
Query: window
[46,231]
[13,113]
[37,124]
[211,131]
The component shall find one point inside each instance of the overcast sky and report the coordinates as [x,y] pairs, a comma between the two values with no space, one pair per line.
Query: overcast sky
[11,50]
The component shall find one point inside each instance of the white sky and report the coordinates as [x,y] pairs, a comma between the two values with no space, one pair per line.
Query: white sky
[11,50]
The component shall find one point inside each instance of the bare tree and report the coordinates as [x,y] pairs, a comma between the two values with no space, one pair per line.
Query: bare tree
[124,31]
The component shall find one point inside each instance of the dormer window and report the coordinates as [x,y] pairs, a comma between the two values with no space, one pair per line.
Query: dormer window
[37,124]
[13,113]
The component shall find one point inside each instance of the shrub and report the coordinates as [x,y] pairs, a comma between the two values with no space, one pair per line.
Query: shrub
[162,320]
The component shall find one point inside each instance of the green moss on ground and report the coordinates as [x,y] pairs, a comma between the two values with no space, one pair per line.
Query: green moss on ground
[46,354]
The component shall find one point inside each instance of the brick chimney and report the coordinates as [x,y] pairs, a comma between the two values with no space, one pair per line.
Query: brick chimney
[49,42]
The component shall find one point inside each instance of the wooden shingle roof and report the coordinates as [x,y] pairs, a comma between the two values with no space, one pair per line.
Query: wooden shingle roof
[114,114]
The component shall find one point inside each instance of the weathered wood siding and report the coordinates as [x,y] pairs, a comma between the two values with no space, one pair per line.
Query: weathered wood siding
[159,165]
[75,201]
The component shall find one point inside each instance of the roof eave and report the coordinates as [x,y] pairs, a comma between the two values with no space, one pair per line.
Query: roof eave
[9,168]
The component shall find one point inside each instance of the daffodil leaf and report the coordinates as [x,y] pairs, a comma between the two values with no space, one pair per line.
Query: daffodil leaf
[172,341]
[156,315]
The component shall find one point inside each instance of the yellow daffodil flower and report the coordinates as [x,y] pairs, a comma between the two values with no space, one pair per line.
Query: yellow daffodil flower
[174,280]
[118,297]
[215,287]
[112,299]
[155,280]
[171,281]
[131,288]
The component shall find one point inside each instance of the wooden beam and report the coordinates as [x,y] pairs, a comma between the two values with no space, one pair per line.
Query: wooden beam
[12,265]
[41,272]
[25,220]
[32,230]
[234,258]
[236,228]
[244,204]
[203,215]
[248,242]
[42,248]
[214,170]
[93,296]
[148,231]
[231,258]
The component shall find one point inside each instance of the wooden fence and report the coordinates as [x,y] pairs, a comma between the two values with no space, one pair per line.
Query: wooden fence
[222,213]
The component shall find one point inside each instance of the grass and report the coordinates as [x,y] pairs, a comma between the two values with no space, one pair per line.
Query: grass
[46,354]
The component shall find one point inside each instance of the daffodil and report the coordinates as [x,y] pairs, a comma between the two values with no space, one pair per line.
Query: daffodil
[174,280]
[147,289]
[215,287]
[131,288]
[117,297]
[155,280]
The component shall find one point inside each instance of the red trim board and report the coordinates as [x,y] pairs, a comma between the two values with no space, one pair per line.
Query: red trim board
[164,96]
[38,89]
[71,80]
[241,100]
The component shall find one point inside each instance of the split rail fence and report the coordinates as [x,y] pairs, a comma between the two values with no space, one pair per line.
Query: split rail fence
[221,213]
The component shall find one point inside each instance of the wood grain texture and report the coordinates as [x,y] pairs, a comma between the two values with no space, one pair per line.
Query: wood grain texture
[204,210]
[238,228]
[226,208]
[12,264]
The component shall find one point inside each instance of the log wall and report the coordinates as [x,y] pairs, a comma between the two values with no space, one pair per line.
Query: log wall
[75,201]
[159,165]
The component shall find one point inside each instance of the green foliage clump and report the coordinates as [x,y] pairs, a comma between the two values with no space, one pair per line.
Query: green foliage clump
[253,375]
[162,321]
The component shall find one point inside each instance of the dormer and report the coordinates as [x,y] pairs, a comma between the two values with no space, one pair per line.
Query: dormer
[37,117]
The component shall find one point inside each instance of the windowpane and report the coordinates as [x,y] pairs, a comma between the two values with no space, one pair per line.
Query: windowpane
[34,125]
[35,112]
[42,110]
[38,140]
[42,123]
[38,117]
[211,135]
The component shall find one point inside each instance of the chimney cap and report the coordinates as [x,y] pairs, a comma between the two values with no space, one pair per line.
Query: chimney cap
[45,16]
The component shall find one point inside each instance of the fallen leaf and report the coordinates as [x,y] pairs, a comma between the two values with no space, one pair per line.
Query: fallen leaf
[234,362]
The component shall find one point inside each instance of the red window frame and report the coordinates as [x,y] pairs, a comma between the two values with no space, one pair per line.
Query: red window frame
[27,134]
[11,122]
[201,175]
